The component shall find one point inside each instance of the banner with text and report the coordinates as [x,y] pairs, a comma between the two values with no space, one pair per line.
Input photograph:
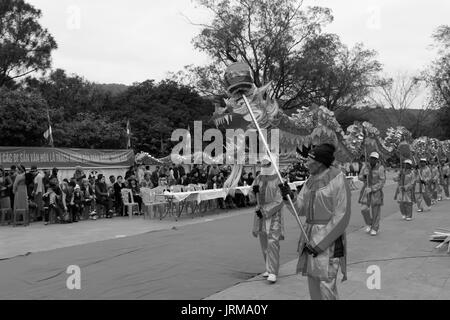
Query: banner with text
[65,157]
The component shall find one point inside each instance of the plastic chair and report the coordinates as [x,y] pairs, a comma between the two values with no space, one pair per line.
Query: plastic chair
[128,202]
[150,202]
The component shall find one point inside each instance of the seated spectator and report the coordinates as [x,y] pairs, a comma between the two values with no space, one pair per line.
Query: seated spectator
[135,190]
[194,179]
[88,197]
[112,180]
[203,178]
[184,181]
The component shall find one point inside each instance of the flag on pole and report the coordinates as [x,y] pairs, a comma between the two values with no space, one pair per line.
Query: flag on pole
[128,134]
[48,134]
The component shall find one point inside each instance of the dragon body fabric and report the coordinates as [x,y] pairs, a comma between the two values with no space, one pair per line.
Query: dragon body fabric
[305,127]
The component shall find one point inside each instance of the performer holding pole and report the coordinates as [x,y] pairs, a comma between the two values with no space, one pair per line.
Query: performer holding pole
[325,201]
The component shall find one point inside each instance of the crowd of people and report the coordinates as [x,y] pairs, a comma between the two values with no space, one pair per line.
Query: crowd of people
[39,195]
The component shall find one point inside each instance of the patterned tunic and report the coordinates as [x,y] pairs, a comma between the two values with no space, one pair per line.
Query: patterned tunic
[325,201]
[271,204]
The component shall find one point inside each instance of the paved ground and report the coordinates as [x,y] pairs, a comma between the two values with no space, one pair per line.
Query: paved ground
[410,266]
[200,257]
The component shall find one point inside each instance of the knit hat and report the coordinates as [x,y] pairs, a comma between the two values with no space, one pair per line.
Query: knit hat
[323,153]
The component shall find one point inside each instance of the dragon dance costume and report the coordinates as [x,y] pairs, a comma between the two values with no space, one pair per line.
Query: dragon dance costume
[423,179]
[445,179]
[405,190]
[372,197]
[325,201]
[268,222]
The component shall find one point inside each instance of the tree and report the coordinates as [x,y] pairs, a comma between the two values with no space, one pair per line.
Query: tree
[89,130]
[23,118]
[399,94]
[155,110]
[70,93]
[329,73]
[283,42]
[265,34]
[438,78]
[25,46]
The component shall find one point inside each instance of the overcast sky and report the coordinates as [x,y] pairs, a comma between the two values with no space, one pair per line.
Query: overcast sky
[116,41]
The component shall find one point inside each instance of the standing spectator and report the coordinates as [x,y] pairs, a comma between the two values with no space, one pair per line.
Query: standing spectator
[163,172]
[250,179]
[140,172]
[118,186]
[51,202]
[54,177]
[131,172]
[20,192]
[147,182]
[37,193]
[68,206]
[171,176]
[79,175]
[214,170]
[12,175]
[29,180]
[179,172]
[102,196]
[155,177]
[5,186]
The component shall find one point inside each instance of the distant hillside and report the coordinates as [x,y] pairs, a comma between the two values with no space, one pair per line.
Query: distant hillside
[417,121]
[112,88]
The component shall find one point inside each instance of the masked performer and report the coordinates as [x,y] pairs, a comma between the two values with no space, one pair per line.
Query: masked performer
[405,195]
[268,221]
[436,179]
[445,178]
[325,200]
[374,177]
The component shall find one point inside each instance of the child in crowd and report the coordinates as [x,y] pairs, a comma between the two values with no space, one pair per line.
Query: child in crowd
[77,204]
